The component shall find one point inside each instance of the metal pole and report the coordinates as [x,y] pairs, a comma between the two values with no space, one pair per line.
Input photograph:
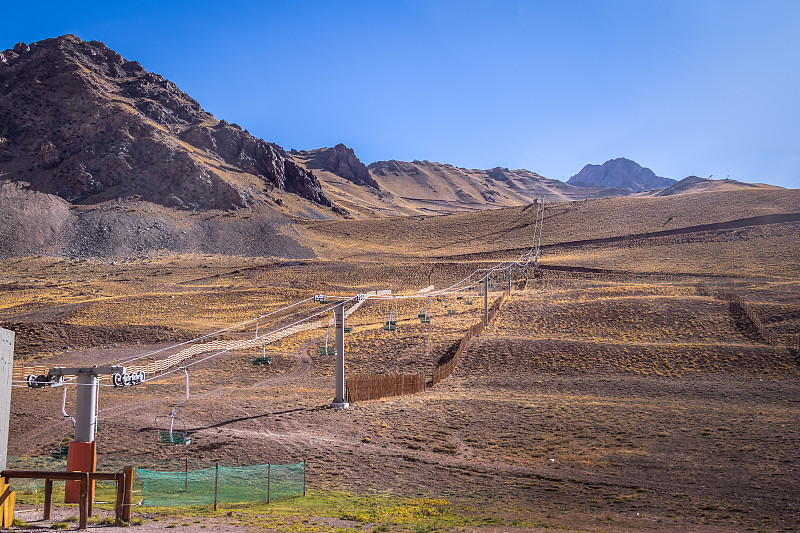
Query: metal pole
[509,280]
[339,401]
[186,475]
[304,476]
[86,404]
[269,467]
[486,300]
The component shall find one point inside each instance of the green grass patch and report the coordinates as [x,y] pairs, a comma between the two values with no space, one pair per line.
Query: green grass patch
[379,513]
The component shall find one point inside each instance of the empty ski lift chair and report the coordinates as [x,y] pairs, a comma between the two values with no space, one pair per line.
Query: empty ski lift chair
[168,434]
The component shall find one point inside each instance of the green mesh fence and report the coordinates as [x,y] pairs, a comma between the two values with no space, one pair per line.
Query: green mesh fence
[233,484]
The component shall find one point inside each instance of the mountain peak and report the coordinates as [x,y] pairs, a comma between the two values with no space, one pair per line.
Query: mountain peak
[620,173]
[80,121]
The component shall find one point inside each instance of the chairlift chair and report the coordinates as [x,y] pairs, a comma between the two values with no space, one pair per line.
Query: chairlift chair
[264,359]
[168,434]
[391,320]
[327,350]
[62,450]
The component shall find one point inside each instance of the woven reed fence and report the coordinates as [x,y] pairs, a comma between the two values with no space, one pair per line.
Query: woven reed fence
[769,336]
[363,387]
[443,371]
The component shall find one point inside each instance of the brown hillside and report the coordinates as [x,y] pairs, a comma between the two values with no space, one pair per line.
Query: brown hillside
[509,231]
[693,184]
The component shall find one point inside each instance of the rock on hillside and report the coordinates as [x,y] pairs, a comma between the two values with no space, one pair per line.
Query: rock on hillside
[339,160]
[79,121]
[619,173]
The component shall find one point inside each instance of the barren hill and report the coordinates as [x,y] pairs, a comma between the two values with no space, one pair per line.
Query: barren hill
[85,127]
[593,224]
[693,184]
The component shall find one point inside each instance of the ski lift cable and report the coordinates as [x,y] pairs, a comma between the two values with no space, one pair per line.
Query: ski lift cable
[247,341]
[207,335]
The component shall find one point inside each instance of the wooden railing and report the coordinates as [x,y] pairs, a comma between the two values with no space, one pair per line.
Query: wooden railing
[122,505]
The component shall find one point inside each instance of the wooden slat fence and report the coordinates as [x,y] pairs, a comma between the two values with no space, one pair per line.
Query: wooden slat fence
[363,387]
[443,371]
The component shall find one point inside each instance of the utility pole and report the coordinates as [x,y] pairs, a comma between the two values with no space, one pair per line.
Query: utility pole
[486,300]
[339,402]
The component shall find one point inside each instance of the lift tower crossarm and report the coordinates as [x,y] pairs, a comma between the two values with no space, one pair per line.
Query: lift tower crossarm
[86,401]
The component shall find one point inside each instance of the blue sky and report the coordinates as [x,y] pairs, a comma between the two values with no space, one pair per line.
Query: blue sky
[696,87]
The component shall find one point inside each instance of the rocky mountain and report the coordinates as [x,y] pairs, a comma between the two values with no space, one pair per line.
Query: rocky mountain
[339,160]
[619,173]
[79,121]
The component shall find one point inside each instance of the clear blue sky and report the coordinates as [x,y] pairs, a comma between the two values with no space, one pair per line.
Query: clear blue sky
[694,87]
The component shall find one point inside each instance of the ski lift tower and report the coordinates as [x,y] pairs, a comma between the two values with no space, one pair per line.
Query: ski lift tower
[82,455]
[339,402]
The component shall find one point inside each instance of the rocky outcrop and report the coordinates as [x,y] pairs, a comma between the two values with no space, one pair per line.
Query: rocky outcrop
[386,168]
[80,121]
[342,161]
[619,173]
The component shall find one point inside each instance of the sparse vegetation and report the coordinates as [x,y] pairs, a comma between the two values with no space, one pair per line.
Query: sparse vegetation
[594,395]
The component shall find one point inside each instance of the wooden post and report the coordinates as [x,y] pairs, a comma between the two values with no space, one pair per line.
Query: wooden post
[48,498]
[83,504]
[7,500]
[128,497]
[119,504]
